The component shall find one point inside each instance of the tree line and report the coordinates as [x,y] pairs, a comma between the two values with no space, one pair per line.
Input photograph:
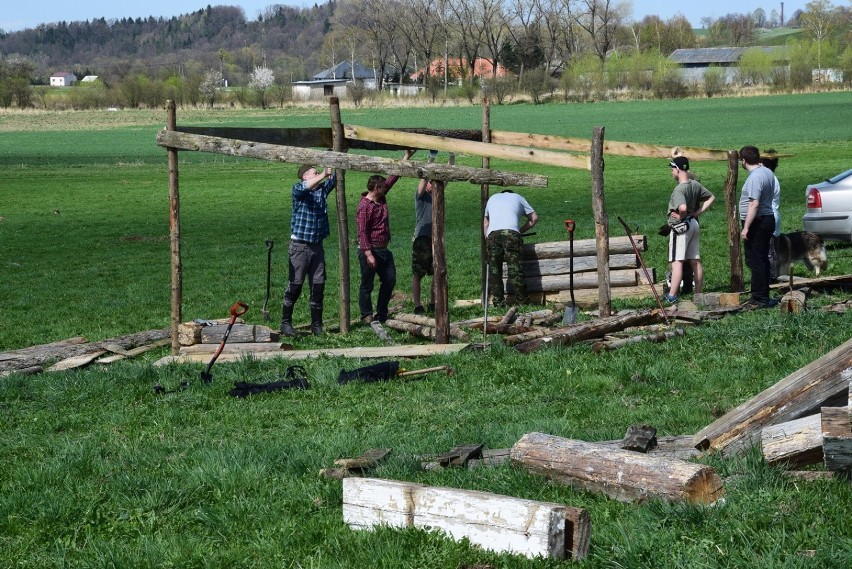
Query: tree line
[190,57]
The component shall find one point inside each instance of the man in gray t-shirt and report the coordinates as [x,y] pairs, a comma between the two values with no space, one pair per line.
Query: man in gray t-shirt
[758,221]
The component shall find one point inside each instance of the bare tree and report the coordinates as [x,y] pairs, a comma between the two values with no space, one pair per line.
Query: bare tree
[819,20]
[601,20]
[375,19]
[468,32]
[494,29]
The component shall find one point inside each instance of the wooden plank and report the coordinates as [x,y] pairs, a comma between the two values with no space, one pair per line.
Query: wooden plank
[410,140]
[610,147]
[76,361]
[240,334]
[491,521]
[132,353]
[357,162]
[562,265]
[799,394]
[582,247]
[617,278]
[836,438]
[620,474]
[403,351]
[588,297]
[793,443]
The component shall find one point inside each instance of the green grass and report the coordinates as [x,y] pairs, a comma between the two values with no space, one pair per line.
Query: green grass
[98,471]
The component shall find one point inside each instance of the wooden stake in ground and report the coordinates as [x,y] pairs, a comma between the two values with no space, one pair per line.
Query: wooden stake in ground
[620,474]
[494,522]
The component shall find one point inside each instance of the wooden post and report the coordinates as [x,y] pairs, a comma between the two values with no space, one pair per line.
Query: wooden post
[342,217]
[483,199]
[174,231]
[732,207]
[601,222]
[439,262]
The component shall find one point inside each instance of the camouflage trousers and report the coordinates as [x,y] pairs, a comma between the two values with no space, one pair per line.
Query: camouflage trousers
[504,246]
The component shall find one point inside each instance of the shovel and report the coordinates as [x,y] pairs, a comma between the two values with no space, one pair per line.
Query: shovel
[570,316]
[265,311]
[238,309]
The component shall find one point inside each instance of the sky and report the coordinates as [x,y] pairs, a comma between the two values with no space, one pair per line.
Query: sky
[20,14]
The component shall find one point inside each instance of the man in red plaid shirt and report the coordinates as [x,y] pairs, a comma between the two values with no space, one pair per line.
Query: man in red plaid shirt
[374,236]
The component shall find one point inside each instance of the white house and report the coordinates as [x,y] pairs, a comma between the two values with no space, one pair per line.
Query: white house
[62,79]
[334,80]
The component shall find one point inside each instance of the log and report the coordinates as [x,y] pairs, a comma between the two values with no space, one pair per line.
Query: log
[561,265]
[66,351]
[799,394]
[793,443]
[588,297]
[411,140]
[34,351]
[491,458]
[618,278]
[455,331]
[793,302]
[341,160]
[589,330]
[583,248]
[610,147]
[459,456]
[23,371]
[403,351]
[620,474]
[240,334]
[369,459]
[491,521]
[836,438]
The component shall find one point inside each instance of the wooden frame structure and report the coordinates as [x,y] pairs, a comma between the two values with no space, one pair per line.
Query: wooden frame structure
[296,146]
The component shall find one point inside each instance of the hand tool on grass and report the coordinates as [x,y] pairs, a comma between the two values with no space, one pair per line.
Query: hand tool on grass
[570,316]
[238,309]
[384,371]
[265,311]
[645,269]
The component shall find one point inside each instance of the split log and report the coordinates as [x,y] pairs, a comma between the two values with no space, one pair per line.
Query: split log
[794,443]
[240,333]
[33,351]
[552,283]
[562,265]
[620,474]
[793,302]
[67,351]
[23,371]
[134,352]
[189,333]
[459,456]
[357,162]
[582,248]
[836,438]
[608,345]
[588,297]
[799,394]
[589,330]
[491,457]
[76,361]
[412,140]
[491,521]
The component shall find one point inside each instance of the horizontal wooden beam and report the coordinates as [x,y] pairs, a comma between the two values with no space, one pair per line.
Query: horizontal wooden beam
[610,147]
[357,162]
[448,144]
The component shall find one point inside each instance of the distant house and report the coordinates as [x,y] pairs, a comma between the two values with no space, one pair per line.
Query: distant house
[457,68]
[694,63]
[89,79]
[333,81]
[62,79]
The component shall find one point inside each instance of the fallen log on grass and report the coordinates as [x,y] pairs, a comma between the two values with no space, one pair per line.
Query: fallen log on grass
[428,323]
[491,521]
[799,394]
[620,474]
[589,330]
[608,345]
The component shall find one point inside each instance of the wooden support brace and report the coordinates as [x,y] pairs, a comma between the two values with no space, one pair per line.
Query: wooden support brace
[491,521]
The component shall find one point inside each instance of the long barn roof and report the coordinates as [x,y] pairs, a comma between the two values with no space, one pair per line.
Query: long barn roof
[720,54]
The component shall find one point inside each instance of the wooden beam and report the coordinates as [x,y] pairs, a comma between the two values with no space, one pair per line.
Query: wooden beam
[588,297]
[610,147]
[623,475]
[174,230]
[793,443]
[476,148]
[733,217]
[586,263]
[404,351]
[360,163]
[601,222]
[338,141]
[491,521]
[582,247]
[799,394]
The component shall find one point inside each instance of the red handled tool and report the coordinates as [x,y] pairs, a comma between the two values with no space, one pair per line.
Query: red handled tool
[238,309]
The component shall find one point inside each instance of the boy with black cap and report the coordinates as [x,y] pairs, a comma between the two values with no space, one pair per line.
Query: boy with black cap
[308,227]
[689,200]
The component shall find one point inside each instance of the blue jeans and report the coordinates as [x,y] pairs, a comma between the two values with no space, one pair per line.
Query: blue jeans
[386,270]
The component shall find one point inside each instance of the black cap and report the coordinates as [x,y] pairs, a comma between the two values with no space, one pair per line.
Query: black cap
[681,163]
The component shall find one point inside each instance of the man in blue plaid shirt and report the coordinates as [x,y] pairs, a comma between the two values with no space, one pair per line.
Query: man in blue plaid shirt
[308,227]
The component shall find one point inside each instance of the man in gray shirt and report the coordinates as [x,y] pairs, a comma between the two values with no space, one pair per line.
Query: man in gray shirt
[758,222]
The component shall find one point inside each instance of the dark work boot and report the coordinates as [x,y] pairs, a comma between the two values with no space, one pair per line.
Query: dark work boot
[316,321]
[287,321]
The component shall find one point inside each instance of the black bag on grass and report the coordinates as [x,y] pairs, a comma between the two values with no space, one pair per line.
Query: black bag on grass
[295,378]
[368,374]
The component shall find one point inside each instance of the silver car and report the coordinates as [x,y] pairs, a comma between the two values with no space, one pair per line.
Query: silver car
[829,208]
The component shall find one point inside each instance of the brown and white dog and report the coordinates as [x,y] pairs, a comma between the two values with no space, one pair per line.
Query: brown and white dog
[803,246]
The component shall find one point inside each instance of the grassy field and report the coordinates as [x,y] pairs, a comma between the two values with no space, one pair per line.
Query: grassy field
[99,471]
